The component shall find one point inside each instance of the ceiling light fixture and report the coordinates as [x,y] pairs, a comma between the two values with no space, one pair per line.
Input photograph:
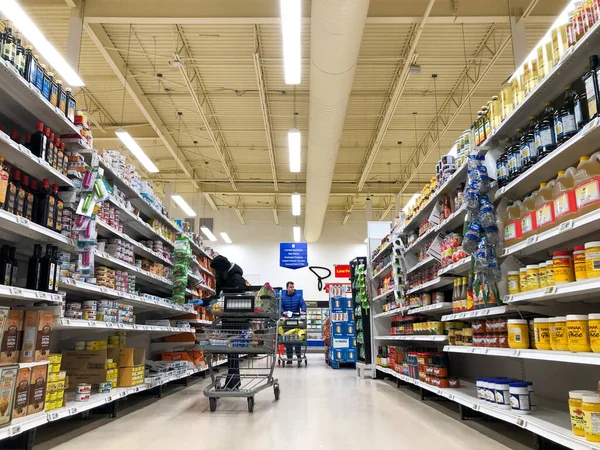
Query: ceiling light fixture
[226,237]
[296,204]
[294,145]
[189,212]
[291,29]
[14,13]
[297,234]
[137,151]
[208,233]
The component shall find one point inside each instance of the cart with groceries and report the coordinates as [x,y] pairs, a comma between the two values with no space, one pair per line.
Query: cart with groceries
[245,325]
[292,330]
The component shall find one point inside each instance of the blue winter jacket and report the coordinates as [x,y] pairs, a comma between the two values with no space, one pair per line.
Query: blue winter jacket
[294,303]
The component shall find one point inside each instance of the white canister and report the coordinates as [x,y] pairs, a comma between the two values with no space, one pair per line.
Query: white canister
[502,394]
[84,388]
[82,397]
[480,389]
[531,395]
[519,397]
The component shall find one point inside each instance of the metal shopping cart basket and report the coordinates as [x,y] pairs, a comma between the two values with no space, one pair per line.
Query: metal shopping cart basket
[292,331]
[245,326]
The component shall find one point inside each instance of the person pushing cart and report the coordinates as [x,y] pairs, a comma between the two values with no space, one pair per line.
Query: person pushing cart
[293,304]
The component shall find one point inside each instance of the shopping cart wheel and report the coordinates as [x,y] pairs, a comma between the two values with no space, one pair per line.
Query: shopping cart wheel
[276,391]
[278,362]
[250,404]
[305,362]
[213,404]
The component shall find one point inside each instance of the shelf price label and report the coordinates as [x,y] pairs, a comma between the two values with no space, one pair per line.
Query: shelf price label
[42,295]
[566,225]
[53,416]
[521,423]
[109,399]
[15,430]
[73,411]
[16,291]
[550,290]
[531,240]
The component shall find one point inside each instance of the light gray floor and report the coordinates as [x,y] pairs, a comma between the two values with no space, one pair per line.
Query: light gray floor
[320,408]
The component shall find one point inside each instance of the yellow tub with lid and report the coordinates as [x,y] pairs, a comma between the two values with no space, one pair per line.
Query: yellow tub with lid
[578,333]
[518,333]
[562,262]
[594,330]
[543,275]
[590,405]
[523,279]
[579,263]
[542,333]
[533,277]
[514,283]
[592,259]
[577,419]
[549,273]
[558,334]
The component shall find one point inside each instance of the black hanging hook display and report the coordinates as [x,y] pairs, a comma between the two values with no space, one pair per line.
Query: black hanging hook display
[319,277]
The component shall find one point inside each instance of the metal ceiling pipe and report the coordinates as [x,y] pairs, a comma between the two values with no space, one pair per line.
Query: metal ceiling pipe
[336,33]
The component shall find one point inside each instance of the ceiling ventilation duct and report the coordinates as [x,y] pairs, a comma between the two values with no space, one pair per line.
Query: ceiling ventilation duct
[335,36]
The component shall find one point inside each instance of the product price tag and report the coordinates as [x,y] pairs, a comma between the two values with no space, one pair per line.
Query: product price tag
[521,423]
[507,298]
[500,192]
[70,281]
[475,407]
[123,394]
[41,295]
[515,353]
[566,225]
[16,291]
[450,397]
[482,312]
[550,290]
[15,430]
[53,416]
[109,324]
[505,251]
[121,325]
[108,399]
[136,327]
[66,322]
[73,411]
[92,323]
[137,389]
[531,240]
[23,220]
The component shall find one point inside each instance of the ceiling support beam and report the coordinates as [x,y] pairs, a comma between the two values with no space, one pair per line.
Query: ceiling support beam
[276,216]
[211,124]
[98,115]
[393,98]
[240,215]
[210,201]
[106,47]
[71,3]
[264,104]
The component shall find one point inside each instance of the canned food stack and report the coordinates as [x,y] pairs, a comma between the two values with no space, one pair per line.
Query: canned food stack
[55,390]
[84,391]
[124,282]
[444,169]
[119,249]
[73,311]
[507,393]
[105,276]
[65,266]
[110,216]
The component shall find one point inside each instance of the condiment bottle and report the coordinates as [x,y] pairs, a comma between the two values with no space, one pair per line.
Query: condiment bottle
[58,209]
[51,214]
[39,77]
[565,204]
[21,194]
[545,139]
[579,263]
[4,178]
[49,146]
[586,179]
[34,201]
[33,268]
[62,97]
[11,191]
[580,107]
[47,86]
[528,216]
[46,282]
[511,218]
[31,65]
[9,47]
[544,207]
[65,166]
[39,142]
[19,56]
[41,203]
[514,157]
[53,92]
[591,87]
[590,405]
[527,146]
[59,155]
[28,201]
[564,118]
[71,105]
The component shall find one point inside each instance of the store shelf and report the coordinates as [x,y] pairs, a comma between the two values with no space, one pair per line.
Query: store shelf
[552,424]
[384,295]
[583,144]
[422,240]
[18,230]
[25,106]
[567,292]
[455,220]
[382,252]
[384,271]
[572,229]
[573,63]
[416,337]
[21,158]
[23,424]
[204,269]
[588,358]
[199,250]
[436,308]
[78,324]
[105,230]
[392,312]
[458,268]
[430,285]
[487,312]
[77,145]
[198,321]
[421,265]
[22,295]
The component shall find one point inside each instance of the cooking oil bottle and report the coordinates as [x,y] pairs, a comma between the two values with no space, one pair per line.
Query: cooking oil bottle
[587,184]
[563,194]
[544,207]
[511,219]
[528,216]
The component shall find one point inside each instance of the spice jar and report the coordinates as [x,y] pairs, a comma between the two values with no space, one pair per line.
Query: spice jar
[514,283]
[594,330]
[579,263]
[590,405]
[577,333]
[592,259]
[549,273]
[518,333]
[533,277]
[523,279]
[577,419]
[542,334]
[558,334]
[562,261]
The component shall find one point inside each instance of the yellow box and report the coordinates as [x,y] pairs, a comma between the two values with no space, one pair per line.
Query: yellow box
[54,368]
[60,394]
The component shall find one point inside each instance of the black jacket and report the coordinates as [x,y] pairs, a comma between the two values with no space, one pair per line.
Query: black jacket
[234,279]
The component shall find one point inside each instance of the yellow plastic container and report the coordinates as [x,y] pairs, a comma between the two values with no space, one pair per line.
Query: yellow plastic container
[592,259]
[514,282]
[523,279]
[542,334]
[578,333]
[528,216]
[544,207]
[543,275]
[549,273]
[577,419]
[563,192]
[518,333]
[533,277]
[590,405]
[558,334]
[580,263]
[594,330]
[563,267]
[587,184]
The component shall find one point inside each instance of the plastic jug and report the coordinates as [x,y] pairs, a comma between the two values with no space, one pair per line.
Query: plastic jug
[564,196]
[511,219]
[528,216]
[544,207]
[587,184]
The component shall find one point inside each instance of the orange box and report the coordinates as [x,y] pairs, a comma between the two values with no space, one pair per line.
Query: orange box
[181,337]
[176,356]
[22,393]
[37,389]
[11,337]
[36,335]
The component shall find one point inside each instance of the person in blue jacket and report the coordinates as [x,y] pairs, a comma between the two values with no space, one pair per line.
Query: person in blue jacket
[292,303]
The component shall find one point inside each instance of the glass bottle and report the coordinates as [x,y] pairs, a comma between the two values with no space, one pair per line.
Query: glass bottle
[545,138]
[4,177]
[580,107]
[578,27]
[9,47]
[62,97]
[53,91]
[564,118]
[39,77]
[19,55]
[71,105]
[31,65]
[516,150]
[47,86]
[590,80]
[527,146]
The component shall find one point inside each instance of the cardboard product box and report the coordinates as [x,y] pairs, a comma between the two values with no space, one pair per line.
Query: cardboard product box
[11,337]
[37,389]
[87,366]
[131,376]
[129,357]
[181,337]
[22,393]
[8,384]
[37,327]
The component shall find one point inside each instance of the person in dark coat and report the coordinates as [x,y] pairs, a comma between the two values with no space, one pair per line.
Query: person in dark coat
[292,302]
[229,275]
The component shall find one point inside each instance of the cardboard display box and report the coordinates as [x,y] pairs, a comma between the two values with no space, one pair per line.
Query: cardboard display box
[37,389]
[8,383]
[36,335]
[11,335]
[131,376]
[22,393]
[129,357]
[87,366]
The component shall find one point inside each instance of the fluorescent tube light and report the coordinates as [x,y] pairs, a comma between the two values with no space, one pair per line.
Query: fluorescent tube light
[297,234]
[226,237]
[22,23]
[208,233]
[137,151]
[366,240]
[296,204]
[294,146]
[189,212]
[291,30]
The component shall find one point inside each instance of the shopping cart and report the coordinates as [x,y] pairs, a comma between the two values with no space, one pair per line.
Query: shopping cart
[292,331]
[245,325]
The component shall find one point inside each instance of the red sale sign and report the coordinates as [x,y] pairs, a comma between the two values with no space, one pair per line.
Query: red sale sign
[342,271]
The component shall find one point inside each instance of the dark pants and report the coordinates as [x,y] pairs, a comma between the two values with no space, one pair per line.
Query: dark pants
[289,348]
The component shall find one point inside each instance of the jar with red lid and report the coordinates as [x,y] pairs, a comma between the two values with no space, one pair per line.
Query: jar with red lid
[562,262]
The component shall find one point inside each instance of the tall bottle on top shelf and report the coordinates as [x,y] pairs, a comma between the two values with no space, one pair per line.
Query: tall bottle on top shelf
[545,139]
[14,266]
[563,193]
[565,124]
[5,265]
[47,269]
[587,179]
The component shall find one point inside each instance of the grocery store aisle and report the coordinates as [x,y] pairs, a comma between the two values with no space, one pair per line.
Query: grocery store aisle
[320,408]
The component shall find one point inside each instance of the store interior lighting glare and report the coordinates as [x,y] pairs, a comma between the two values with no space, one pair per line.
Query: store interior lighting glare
[291,30]
[189,212]
[226,237]
[22,22]
[209,235]
[137,151]
[297,234]
[296,204]
[294,146]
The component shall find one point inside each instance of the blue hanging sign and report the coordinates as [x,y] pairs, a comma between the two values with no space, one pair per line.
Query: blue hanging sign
[293,255]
